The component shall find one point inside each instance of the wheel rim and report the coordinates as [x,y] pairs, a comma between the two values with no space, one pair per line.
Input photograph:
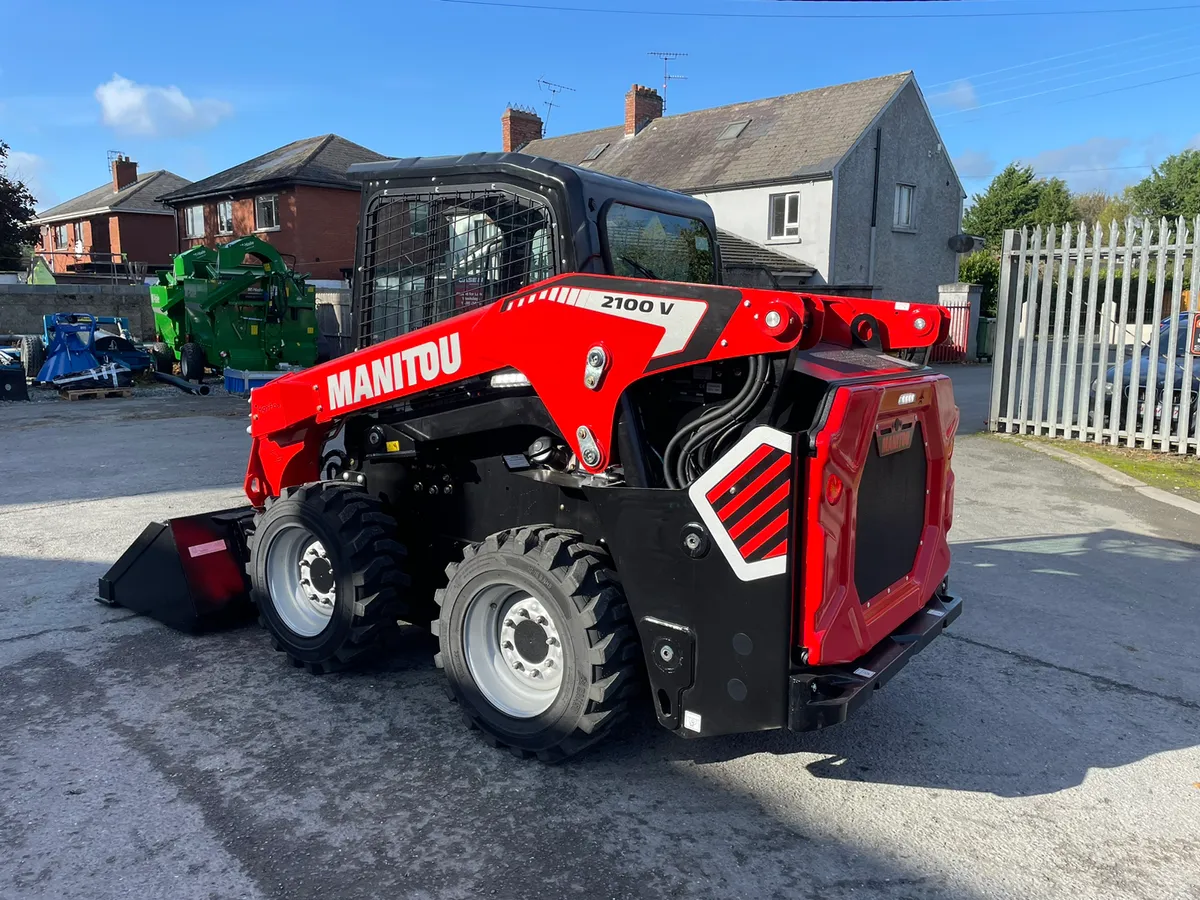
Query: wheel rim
[513,649]
[301,581]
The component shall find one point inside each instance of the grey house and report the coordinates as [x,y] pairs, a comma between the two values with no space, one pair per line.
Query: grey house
[848,186]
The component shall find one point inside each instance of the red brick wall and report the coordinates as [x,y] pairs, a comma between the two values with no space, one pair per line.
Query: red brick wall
[146,238]
[318,226]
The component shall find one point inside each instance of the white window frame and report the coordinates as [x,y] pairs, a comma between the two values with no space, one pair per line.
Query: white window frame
[258,203]
[226,226]
[911,225]
[60,237]
[791,223]
[189,223]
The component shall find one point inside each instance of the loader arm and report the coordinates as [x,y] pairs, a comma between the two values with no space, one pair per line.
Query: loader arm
[547,332]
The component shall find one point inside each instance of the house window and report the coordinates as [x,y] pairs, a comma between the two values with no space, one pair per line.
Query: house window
[266,212]
[79,234]
[418,217]
[785,216]
[225,217]
[60,237]
[902,216]
[193,220]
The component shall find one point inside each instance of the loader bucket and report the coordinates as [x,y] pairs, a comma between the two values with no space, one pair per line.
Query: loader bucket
[188,573]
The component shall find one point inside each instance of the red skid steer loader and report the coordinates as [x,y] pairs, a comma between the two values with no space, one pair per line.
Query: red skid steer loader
[596,472]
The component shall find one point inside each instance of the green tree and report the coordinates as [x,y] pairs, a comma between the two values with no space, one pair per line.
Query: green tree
[1118,208]
[982,268]
[16,215]
[1171,189]
[1054,206]
[1008,202]
[1090,206]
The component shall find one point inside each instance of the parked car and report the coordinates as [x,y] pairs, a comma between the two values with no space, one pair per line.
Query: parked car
[1164,364]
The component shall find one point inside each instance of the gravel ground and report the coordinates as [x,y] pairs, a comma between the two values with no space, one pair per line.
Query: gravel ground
[1046,747]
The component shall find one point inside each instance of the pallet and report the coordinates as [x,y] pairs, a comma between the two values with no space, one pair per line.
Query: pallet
[96,393]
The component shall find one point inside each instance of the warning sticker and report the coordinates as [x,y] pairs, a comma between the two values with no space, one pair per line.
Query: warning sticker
[691,721]
[205,549]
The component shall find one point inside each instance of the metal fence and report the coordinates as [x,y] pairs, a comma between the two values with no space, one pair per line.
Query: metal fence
[954,348]
[1097,334]
[334,319]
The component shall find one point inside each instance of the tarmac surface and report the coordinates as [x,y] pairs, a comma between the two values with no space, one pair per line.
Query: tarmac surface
[1048,746]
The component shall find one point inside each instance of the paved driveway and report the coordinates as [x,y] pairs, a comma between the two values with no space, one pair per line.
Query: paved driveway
[1046,747]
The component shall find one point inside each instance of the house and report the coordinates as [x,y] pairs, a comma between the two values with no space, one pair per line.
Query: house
[119,223]
[852,181]
[297,198]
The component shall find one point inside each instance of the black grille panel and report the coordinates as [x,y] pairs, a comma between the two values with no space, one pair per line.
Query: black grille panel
[891,516]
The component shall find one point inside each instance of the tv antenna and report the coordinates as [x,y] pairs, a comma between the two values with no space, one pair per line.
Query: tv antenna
[666,56]
[554,90]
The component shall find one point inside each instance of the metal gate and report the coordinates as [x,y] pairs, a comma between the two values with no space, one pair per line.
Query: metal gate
[1095,340]
[954,348]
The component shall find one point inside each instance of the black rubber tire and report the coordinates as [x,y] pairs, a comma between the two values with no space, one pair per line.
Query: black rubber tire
[601,656]
[162,357]
[33,355]
[368,566]
[191,362]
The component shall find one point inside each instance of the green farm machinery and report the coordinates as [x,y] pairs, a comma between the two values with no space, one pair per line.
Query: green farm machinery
[238,306]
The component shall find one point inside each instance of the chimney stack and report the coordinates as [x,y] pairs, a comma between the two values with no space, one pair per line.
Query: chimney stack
[124,173]
[519,127]
[642,106]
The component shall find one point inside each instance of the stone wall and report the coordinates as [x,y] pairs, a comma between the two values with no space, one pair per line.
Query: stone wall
[23,305]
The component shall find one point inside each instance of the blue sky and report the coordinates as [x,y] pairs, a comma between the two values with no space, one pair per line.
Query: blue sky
[196,89]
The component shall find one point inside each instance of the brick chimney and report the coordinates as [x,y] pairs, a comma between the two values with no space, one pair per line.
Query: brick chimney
[124,172]
[519,127]
[642,105]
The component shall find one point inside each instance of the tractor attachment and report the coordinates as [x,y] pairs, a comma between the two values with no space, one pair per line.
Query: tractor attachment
[188,573]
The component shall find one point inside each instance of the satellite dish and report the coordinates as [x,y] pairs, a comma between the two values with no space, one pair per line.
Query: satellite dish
[965,243]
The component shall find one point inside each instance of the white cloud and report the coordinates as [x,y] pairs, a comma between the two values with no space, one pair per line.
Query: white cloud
[31,169]
[147,110]
[960,95]
[974,164]
[1094,164]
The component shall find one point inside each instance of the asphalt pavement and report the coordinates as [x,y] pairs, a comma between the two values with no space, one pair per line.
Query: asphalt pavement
[1048,746]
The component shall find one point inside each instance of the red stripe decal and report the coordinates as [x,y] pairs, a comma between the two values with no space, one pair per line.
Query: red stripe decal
[765,535]
[778,551]
[770,472]
[759,511]
[739,470]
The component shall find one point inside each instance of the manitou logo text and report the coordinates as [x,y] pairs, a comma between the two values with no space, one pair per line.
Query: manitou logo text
[896,438]
[390,374]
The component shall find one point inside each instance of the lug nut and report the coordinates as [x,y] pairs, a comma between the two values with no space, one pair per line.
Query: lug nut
[519,666]
[523,613]
[552,641]
[534,673]
[509,623]
[508,645]
[541,620]
[549,663]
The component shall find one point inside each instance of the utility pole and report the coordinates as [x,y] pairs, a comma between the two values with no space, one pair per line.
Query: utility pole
[666,56]
[554,90]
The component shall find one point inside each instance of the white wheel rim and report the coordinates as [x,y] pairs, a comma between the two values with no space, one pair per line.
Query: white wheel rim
[301,582]
[513,647]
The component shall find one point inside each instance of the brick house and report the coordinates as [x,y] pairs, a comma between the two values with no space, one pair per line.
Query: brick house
[120,222]
[297,198]
[850,182]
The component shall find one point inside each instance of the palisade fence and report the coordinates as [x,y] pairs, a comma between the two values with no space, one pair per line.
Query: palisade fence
[1081,348]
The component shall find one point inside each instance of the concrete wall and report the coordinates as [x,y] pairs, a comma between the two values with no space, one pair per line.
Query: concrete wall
[909,264]
[23,305]
[746,213]
[317,225]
